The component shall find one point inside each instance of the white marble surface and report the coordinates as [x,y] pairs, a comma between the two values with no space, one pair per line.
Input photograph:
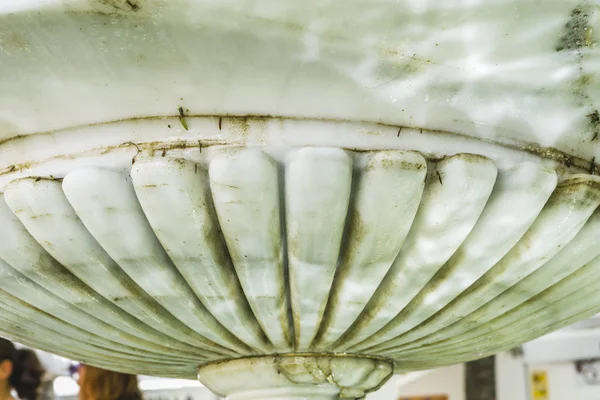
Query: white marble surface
[515,71]
[177,263]
[390,178]
[296,377]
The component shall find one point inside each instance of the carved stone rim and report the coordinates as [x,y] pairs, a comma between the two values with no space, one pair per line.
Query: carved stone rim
[117,144]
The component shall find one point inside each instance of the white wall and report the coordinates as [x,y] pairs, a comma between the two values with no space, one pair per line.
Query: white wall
[448,380]
[193,393]
[511,378]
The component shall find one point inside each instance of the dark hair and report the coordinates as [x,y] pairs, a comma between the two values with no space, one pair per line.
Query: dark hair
[27,371]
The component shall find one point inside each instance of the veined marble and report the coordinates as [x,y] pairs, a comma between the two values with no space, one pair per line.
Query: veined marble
[298,198]
[391,255]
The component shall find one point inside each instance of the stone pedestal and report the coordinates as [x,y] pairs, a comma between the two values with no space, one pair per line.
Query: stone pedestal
[295,377]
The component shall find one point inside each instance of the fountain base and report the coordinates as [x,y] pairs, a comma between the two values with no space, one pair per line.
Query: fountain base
[295,377]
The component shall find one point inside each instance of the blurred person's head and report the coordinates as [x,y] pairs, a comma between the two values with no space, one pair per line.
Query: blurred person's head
[20,370]
[100,384]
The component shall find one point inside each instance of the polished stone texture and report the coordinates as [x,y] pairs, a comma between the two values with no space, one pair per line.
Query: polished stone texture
[245,183]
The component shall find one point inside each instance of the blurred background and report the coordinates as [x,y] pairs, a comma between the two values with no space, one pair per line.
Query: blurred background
[564,365]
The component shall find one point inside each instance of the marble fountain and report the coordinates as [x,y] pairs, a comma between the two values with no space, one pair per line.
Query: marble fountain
[296,199]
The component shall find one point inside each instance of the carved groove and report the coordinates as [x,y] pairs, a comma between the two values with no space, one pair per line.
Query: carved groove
[386,254]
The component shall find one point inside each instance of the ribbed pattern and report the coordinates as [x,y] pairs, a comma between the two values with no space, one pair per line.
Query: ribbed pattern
[376,253]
